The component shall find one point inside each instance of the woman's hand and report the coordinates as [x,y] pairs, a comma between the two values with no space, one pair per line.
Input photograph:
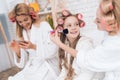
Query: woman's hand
[15,47]
[27,45]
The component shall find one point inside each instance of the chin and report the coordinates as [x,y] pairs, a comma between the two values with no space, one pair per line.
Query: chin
[74,36]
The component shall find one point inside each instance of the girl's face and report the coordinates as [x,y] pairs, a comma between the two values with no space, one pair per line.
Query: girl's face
[25,21]
[72,24]
[99,22]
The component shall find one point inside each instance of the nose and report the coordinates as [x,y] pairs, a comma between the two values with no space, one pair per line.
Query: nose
[73,28]
[23,24]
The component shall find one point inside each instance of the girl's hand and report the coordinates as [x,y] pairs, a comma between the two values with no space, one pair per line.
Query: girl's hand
[55,37]
[27,45]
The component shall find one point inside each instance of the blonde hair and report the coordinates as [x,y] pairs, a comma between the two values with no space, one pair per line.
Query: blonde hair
[20,9]
[110,10]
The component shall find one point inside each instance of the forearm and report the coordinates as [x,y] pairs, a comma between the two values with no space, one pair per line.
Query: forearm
[69,50]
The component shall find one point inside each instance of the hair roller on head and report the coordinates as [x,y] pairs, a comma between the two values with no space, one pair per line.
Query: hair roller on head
[12,16]
[79,16]
[33,14]
[111,6]
[82,24]
[13,19]
[106,6]
[65,13]
[60,21]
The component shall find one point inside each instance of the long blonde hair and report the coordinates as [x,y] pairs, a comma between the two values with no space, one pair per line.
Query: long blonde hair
[20,9]
[110,10]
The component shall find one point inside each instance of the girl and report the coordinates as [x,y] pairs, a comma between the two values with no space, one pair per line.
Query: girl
[70,69]
[35,51]
[106,56]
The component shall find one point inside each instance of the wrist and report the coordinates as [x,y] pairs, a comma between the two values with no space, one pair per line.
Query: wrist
[34,47]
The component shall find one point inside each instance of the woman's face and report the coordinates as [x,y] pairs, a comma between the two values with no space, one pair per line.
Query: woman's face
[25,21]
[72,24]
[99,20]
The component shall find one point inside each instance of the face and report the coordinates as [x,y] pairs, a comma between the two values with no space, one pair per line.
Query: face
[25,21]
[72,24]
[98,21]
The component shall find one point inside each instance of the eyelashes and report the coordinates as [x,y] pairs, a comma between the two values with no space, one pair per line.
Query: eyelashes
[26,19]
[70,25]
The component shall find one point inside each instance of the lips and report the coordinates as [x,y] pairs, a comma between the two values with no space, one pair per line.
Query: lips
[73,32]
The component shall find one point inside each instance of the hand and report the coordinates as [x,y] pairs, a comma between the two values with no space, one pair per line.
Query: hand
[55,37]
[27,45]
[15,47]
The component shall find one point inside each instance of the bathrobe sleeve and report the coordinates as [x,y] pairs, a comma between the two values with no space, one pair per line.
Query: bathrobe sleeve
[21,62]
[45,47]
[103,58]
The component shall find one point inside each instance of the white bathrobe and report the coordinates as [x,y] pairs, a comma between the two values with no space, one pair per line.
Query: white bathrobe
[42,63]
[103,58]
[80,73]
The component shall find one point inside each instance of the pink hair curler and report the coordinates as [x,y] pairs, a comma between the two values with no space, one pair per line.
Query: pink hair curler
[82,24]
[65,13]
[79,16]
[111,6]
[13,19]
[60,21]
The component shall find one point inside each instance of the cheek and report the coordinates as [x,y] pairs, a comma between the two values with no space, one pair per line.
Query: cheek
[101,27]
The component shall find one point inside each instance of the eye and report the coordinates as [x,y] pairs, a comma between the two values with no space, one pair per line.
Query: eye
[69,25]
[97,20]
[19,22]
[76,24]
[26,19]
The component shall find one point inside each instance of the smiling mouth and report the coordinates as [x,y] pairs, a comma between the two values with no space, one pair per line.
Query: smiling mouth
[73,32]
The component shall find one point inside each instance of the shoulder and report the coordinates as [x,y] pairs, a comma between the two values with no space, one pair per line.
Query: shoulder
[84,43]
[45,25]
[85,39]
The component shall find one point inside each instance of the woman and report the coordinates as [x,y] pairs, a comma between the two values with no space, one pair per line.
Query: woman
[36,53]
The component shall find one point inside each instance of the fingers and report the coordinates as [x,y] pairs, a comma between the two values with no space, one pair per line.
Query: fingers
[12,43]
[26,45]
[23,45]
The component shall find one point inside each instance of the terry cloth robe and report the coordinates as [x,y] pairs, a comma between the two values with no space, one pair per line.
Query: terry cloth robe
[39,64]
[80,73]
[103,58]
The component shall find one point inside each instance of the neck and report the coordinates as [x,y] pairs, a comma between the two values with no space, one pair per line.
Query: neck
[71,40]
